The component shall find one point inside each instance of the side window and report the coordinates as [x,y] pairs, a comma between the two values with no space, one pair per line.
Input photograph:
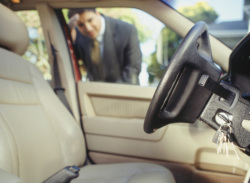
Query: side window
[229,23]
[36,52]
[156,43]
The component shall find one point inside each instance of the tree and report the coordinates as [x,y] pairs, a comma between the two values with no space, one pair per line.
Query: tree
[155,70]
[201,11]
[36,51]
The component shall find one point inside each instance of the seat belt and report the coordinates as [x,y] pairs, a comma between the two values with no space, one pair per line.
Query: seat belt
[58,89]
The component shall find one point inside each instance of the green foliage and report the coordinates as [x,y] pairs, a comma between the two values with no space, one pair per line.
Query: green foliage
[65,14]
[170,41]
[169,45]
[155,70]
[36,51]
[201,11]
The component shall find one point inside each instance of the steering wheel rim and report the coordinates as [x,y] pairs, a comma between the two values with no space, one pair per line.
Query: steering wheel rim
[192,59]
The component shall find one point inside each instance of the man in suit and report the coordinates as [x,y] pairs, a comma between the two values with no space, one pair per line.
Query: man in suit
[118,45]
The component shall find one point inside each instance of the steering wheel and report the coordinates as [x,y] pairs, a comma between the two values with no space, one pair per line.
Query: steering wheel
[179,97]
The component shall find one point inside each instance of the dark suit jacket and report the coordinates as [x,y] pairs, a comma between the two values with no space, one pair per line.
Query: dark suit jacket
[121,55]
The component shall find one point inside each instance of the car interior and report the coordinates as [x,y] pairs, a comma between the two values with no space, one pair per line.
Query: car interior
[120,133]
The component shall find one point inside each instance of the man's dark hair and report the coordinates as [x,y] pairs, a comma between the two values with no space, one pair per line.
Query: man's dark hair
[74,11]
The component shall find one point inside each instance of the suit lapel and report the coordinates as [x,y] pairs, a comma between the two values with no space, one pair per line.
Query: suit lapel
[110,58]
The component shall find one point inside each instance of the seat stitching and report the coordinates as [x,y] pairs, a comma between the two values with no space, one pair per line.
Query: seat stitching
[15,144]
[5,103]
[44,111]
[15,80]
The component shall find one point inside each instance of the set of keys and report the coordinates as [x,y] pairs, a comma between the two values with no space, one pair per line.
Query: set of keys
[223,137]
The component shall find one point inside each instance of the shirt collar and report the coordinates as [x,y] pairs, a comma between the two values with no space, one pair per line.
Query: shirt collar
[102,30]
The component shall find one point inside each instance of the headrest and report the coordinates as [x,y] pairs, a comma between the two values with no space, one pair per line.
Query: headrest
[13,32]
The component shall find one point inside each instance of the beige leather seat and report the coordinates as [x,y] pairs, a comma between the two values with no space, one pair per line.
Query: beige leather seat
[38,136]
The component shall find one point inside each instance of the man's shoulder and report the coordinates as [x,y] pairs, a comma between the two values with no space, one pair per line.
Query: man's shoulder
[118,23]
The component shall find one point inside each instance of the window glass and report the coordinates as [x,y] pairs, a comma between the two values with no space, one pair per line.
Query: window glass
[227,20]
[36,52]
[157,43]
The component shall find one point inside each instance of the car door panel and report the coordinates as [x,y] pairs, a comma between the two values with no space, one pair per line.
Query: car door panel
[113,116]
[110,111]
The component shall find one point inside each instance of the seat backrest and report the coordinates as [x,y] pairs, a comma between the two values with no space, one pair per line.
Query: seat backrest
[38,136]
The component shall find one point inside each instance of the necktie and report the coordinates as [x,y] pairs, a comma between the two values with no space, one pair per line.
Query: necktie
[95,52]
[96,60]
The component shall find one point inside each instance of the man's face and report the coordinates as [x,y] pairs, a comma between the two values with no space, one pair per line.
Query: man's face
[89,24]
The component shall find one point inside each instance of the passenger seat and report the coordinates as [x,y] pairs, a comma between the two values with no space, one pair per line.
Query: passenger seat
[38,136]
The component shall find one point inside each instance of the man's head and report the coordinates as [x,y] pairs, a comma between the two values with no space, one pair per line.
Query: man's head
[88,21]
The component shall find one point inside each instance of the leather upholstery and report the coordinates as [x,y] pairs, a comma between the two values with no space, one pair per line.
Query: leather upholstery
[125,173]
[13,33]
[38,136]
[6,177]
